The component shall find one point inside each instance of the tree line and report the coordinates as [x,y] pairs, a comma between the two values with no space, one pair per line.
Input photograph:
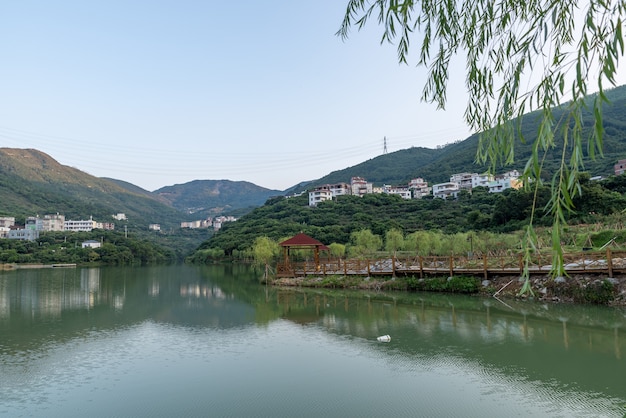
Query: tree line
[63,247]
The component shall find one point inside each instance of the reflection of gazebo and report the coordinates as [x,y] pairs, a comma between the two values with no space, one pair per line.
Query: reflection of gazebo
[301,242]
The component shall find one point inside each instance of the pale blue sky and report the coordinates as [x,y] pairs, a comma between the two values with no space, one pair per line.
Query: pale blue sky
[161,92]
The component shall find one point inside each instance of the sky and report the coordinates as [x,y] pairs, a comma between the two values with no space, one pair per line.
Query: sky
[163,92]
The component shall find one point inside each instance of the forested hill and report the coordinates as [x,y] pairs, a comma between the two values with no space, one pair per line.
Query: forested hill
[32,182]
[436,165]
[213,197]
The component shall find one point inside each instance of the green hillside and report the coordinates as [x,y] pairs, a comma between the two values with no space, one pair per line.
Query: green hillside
[436,165]
[32,182]
[214,197]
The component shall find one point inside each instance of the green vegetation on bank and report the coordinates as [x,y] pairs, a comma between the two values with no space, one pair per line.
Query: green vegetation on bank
[63,247]
[478,221]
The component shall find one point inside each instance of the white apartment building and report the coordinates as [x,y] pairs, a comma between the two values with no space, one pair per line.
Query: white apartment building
[508,180]
[481,180]
[80,226]
[327,192]
[446,190]
[464,180]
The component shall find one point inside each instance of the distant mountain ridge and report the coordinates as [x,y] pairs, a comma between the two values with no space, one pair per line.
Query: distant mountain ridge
[213,197]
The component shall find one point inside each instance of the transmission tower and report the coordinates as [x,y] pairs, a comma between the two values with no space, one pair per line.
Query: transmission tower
[384,145]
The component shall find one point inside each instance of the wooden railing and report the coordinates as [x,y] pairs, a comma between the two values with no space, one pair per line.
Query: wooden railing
[607,262]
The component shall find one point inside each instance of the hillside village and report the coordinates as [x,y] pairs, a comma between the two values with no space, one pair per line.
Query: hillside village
[418,188]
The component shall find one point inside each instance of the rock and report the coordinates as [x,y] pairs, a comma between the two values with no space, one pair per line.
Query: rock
[559,279]
[486,283]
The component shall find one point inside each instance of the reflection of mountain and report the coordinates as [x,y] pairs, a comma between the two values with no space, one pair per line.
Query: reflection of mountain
[62,303]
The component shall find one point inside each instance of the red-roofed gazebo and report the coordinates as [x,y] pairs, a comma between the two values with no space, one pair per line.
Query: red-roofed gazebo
[302,241]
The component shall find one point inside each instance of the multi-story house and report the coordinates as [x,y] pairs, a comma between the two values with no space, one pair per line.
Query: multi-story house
[402,191]
[53,222]
[464,180]
[481,180]
[327,192]
[419,188]
[508,180]
[80,226]
[7,221]
[446,190]
[359,186]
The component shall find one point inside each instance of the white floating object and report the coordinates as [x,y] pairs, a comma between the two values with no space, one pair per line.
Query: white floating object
[384,338]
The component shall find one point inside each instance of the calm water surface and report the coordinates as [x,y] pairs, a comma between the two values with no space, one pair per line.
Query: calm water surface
[209,341]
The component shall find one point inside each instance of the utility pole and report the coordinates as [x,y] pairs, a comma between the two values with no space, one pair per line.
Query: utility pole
[125,231]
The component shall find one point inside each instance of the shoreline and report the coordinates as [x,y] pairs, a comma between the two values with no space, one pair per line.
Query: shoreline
[13,266]
[578,289]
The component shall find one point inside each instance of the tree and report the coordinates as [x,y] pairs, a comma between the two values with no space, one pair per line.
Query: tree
[337,250]
[520,57]
[394,240]
[264,250]
[365,243]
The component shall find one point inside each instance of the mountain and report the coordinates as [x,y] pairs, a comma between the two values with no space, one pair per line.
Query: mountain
[32,182]
[213,197]
[436,165]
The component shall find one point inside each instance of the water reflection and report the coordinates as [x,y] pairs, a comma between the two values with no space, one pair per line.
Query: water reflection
[553,349]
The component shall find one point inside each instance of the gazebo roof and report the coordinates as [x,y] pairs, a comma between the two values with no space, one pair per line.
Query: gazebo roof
[302,240]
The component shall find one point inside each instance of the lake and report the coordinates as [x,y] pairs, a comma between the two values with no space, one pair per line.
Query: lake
[190,341]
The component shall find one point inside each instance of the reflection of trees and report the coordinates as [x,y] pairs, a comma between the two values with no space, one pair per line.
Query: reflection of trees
[547,341]
[37,306]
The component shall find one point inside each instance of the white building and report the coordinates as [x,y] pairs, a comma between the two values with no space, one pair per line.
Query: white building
[318,196]
[80,226]
[327,192]
[464,180]
[91,244]
[154,227]
[120,217]
[402,191]
[419,188]
[24,234]
[53,222]
[481,180]
[508,180]
[446,190]
[7,221]
[359,186]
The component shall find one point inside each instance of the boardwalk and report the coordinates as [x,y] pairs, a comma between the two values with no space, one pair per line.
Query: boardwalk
[600,263]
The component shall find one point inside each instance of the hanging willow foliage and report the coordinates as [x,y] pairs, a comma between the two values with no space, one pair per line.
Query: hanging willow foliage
[521,56]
